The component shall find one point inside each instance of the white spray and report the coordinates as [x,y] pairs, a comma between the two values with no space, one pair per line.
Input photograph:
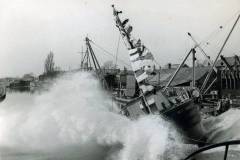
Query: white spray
[77,113]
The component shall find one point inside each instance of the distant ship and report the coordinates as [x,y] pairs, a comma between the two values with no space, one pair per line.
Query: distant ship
[176,105]
[2,93]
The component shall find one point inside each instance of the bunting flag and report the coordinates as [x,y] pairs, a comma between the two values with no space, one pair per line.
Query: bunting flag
[143,66]
[142,60]
[142,63]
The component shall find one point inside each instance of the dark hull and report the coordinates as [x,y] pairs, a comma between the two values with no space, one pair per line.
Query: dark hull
[187,118]
[21,88]
[2,97]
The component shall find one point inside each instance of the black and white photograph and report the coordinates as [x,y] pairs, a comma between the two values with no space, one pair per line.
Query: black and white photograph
[119,79]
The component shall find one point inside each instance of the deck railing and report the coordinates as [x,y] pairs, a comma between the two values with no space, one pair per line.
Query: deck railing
[226,144]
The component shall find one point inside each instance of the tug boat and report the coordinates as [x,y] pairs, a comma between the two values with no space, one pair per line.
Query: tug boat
[2,93]
[180,108]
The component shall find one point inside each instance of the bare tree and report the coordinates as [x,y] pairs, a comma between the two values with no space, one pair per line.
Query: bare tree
[49,63]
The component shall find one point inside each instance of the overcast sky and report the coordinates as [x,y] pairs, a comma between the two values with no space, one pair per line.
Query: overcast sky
[29,29]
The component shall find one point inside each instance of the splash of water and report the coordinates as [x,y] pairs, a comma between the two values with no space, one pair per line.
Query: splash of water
[77,115]
[224,127]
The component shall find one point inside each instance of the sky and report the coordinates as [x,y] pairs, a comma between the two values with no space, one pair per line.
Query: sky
[30,29]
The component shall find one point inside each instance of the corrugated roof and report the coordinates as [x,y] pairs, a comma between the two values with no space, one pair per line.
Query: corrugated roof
[183,76]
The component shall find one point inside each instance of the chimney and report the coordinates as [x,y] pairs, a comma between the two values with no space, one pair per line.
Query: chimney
[169,65]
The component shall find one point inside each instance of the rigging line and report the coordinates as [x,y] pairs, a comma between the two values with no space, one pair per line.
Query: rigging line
[215,32]
[107,52]
[218,43]
[117,50]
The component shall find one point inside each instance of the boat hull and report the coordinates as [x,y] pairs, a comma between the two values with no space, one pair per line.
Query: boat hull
[187,118]
[2,97]
[2,93]
[185,115]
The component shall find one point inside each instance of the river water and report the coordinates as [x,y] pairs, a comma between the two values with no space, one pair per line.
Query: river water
[76,120]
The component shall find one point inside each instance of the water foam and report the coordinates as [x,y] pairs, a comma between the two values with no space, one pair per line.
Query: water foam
[77,113]
[224,127]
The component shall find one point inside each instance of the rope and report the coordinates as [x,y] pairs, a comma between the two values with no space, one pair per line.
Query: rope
[107,52]
[117,50]
[219,29]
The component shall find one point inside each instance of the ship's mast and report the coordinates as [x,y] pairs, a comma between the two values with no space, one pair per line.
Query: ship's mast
[89,58]
[85,62]
[141,59]
[124,31]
